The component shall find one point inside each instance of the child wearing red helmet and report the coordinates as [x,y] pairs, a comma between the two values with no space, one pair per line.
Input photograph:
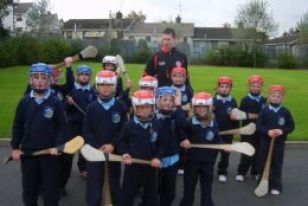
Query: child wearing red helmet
[223,103]
[251,104]
[103,120]
[140,138]
[201,129]
[275,121]
[185,92]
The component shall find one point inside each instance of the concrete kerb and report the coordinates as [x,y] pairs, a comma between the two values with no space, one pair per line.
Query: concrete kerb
[5,142]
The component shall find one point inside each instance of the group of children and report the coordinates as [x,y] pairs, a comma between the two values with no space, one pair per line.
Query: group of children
[161,122]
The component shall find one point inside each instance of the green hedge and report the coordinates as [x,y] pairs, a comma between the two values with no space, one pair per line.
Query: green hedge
[287,61]
[25,50]
[235,56]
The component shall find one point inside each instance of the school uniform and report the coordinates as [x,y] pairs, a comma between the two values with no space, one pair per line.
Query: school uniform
[222,107]
[141,140]
[200,162]
[102,125]
[39,123]
[250,104]
[172,132]
[274,118]
[60,91]
[83,96]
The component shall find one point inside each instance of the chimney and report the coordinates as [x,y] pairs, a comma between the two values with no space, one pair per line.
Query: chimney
[119,15]
[178,19]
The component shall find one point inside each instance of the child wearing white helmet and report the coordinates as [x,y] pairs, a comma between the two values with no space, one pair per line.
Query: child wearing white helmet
[201,129]
[110,63]
[141,138]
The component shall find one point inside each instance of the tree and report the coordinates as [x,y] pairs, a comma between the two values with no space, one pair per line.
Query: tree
[36,16]
[255,23]
[137,17]
[4,5]
[302,27]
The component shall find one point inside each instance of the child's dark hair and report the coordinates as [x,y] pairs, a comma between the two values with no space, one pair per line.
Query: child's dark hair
[169,30]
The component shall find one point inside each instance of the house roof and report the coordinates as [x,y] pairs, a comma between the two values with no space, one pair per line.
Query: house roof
[181,29]
[22,8]
[289,39]
[96,24]
[213,33]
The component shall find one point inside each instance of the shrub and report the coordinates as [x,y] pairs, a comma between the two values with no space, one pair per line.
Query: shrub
[286,60]
[235,56]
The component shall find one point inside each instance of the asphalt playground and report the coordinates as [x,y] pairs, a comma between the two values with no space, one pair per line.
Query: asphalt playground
[295,183]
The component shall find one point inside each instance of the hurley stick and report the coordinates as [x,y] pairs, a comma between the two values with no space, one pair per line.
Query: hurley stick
[262,188]
[88,52]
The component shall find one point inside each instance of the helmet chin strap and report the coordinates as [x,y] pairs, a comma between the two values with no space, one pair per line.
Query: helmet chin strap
[40,91]
[144,120]
[165,111]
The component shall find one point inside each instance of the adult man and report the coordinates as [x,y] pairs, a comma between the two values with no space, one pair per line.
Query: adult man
[168,57]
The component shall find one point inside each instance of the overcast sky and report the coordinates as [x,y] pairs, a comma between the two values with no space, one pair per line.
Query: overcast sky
[209,13]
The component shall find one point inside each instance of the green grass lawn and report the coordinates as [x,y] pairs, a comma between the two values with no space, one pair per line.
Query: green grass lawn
[13,81]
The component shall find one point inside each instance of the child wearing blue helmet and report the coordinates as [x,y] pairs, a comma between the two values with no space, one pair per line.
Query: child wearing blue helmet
[82,94]
[39,123]
[173,120]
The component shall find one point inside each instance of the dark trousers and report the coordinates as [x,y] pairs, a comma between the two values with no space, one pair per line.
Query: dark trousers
[95,181]
[167,184]
[75,129]
[136,176]
[275,181]
[193,171]
[182,158]
[247,162]
[66,161]
[223,164]
[36,171]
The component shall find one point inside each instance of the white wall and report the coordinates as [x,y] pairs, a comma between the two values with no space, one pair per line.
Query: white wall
[8,21]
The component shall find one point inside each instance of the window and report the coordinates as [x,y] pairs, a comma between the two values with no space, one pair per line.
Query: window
[19,17]
[148,38]
[19,29]
[131,37]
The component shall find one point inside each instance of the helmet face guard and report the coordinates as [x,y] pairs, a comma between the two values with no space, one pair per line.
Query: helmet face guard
[106,77]
[40,77]
[110,60]
[148,82]
[165,104]
[143,102]
[202,100]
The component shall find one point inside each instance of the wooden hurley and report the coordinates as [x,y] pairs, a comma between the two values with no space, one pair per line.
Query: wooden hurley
[94,155]
[88,52]
[69,147]
[249,129]
[121,66]
[242,147]
[106,186]
[77,106]
[262,188]
[238,114]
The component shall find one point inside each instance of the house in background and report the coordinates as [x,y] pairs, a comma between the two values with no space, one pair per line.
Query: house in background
[288,43]
[96,28]
[151,33]
[16,19]
[211,38]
